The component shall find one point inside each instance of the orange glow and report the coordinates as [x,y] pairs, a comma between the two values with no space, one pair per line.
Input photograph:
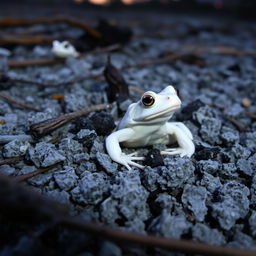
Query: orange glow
[99,1]
[134,1]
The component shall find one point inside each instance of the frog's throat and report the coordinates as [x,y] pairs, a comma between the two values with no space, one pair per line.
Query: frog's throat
[167,112]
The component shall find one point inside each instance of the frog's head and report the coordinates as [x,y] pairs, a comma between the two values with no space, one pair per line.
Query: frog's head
[63,49]
[156,107]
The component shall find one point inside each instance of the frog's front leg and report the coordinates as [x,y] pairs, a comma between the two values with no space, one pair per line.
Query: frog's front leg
[184,140]
[115,152]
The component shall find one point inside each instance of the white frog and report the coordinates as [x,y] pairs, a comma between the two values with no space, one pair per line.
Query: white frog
[63,49]
[145,123]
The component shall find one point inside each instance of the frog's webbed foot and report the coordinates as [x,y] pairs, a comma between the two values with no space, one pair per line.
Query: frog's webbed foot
[115,152]
[128,160]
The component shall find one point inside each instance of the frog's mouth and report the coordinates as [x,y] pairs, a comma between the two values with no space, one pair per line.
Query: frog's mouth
[163,113]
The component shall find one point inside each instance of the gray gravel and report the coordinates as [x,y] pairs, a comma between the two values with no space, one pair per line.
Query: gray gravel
[209,198]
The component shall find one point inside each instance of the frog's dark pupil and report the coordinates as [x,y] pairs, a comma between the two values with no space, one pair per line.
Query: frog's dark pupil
[148,100]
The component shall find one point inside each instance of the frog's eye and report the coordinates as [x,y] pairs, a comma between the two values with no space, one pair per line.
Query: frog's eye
[148,100]
[66,45]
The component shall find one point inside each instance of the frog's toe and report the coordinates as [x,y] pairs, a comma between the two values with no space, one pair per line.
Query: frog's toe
[133,153]
[177,151]
[171,151]
[136,165]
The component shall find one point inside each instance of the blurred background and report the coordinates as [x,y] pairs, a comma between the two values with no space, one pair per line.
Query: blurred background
[240,8]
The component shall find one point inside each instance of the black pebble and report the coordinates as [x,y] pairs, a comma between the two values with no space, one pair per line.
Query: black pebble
[190,108]
[102,122]
[154,158]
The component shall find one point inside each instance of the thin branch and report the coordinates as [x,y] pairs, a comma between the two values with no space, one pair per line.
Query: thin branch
[12,63]
[12,22]
[153,241]
[236,123]
[6,39]
[26,176]
[12,160]
[18,103]
[46,127]
[251,115]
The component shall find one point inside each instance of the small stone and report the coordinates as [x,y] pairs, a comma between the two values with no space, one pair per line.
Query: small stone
[163,201]
[243,241]
[135,225]
[250,140]
[66,178]
[154,158]
[58,196]
[109,211]
[246,102]
[210,130]
[86,137]
[228,170]
[229,136]
[252,222]
[234,204]
[103,123]
[41,179]
[81,157]
[15,148]
[69,147]
[211,183]
[169,226]
[208,166]
[207,153]
[131,195]
[203,113]
[91,188]
[194,198]
[204,234]
[97,146]
[106,163]
[240,152]
[86,166]
[7,170]
[44,154]
[244,167]
[176,173]
[149,178]
[188,110]
[234,110]
[109,249]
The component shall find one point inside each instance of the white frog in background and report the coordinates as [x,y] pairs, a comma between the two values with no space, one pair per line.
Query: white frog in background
[145,123]
[63,49]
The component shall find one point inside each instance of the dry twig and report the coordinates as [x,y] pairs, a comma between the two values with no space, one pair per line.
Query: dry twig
[46,127]
[11,160]
[12,63]
[12,22]
[18,103]
[26,176]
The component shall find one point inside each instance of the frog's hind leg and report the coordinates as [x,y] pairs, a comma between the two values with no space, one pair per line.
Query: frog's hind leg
[183,137]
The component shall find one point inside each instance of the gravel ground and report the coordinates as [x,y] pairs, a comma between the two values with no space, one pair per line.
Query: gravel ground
[210,197]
